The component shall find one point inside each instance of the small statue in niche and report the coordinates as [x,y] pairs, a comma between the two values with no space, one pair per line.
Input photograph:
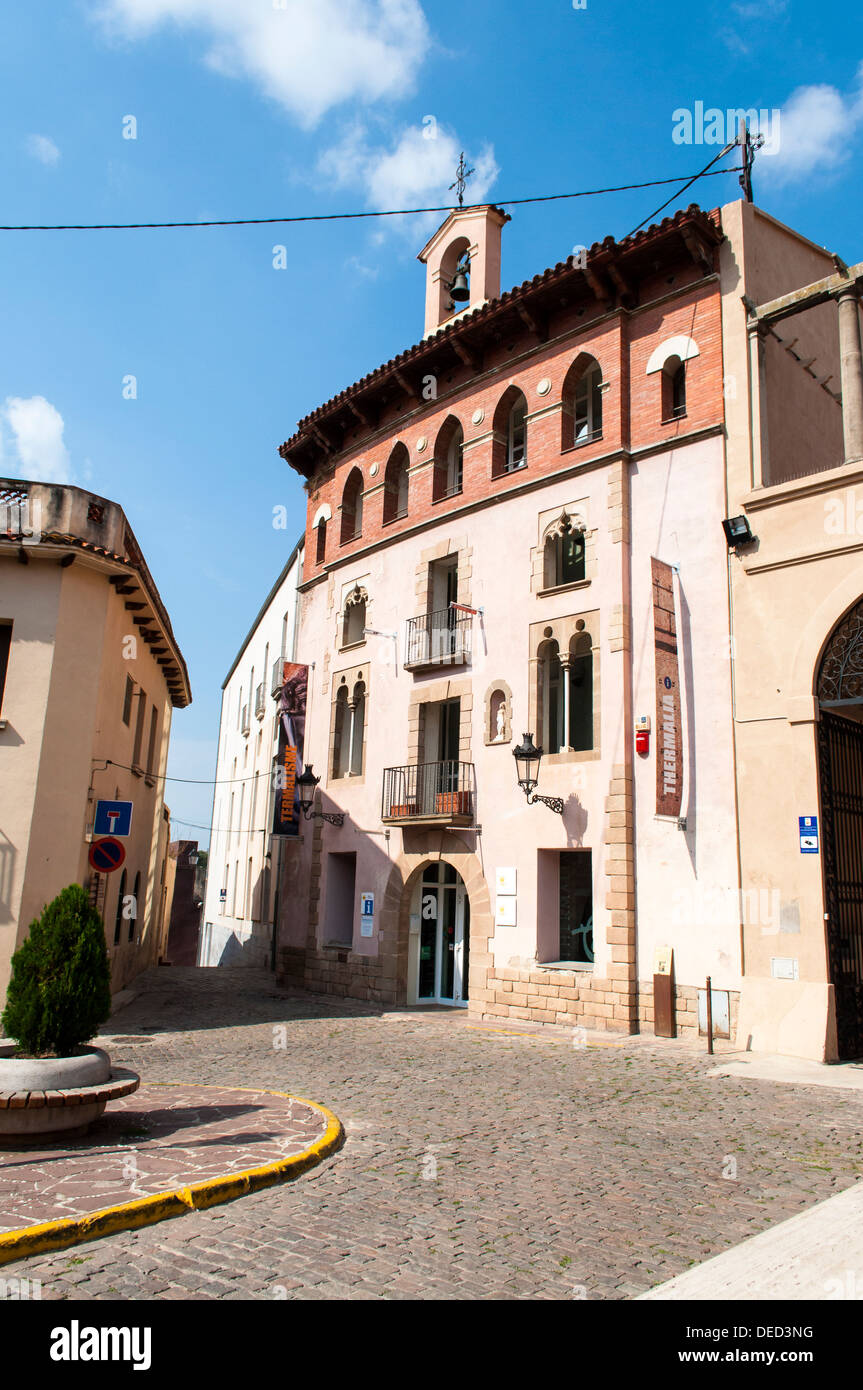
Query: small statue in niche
[497,732]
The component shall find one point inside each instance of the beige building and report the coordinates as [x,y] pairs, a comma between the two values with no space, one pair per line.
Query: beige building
[794,420]
[90,672]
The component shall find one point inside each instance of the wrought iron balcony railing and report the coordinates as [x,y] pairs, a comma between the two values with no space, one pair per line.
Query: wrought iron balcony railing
[245,726]
[260,701]
[438,639]
[278,677]
[439,792]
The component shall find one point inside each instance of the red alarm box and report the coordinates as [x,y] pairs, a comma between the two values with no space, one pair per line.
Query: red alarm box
[642,734]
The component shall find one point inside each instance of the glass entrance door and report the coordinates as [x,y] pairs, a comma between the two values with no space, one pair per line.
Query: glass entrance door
[444,954]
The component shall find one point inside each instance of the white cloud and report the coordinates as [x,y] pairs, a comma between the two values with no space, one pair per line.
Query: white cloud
[414,172]
[42,147]
[814,132]
[37,431]
[309,55]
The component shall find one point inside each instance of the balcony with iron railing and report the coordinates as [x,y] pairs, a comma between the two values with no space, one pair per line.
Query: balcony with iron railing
[440,793]
[260,701]
[278,677]
[438,639]
[245,725]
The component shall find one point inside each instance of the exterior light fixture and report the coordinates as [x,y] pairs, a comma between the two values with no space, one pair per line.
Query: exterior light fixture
[306,783]
[527,760]
[737,531]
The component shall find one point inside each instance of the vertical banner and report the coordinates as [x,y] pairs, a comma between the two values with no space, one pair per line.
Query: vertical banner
[289,760]
[669,736]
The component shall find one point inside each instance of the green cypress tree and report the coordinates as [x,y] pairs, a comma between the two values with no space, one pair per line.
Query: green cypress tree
[60,990]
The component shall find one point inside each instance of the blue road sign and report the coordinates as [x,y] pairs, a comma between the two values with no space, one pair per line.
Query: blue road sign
[113,818]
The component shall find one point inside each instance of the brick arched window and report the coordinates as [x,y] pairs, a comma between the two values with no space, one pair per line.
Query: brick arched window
[581,416]
[673,389]
[396,484]
[509,426]
[448,460]
[352,507]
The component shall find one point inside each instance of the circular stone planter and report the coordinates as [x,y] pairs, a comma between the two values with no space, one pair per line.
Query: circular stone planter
[46,1097]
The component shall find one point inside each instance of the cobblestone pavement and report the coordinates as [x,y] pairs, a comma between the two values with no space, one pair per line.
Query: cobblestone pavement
[156,1140]
[478,1163]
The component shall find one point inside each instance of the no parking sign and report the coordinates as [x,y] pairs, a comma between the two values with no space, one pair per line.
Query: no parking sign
[106,855]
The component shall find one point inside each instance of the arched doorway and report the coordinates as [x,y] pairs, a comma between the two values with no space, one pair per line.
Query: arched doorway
[439,949]
[840,757]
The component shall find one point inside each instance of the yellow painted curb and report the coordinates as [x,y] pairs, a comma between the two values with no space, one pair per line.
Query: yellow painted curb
[146,1211]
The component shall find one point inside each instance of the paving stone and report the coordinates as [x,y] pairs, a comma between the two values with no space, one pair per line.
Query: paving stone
[555,1168]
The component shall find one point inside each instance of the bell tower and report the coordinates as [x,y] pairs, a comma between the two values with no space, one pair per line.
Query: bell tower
[462,262]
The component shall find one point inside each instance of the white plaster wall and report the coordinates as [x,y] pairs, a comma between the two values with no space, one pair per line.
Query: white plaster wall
[687,888]
[234,937]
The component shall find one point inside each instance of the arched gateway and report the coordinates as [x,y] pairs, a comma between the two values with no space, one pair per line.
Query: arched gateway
[840,755]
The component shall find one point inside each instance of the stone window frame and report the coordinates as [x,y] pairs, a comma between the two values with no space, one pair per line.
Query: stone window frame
[490,740]
[434,694]
[349,676]
[547,523]
[454,545]
[348,592]
[563,630]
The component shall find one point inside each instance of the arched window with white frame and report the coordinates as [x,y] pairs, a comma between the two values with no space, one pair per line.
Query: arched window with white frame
[582,402]
[448,460]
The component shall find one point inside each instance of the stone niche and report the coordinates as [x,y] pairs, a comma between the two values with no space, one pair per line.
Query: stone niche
[497,719]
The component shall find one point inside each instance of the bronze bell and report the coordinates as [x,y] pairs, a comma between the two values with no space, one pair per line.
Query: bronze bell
[460,289]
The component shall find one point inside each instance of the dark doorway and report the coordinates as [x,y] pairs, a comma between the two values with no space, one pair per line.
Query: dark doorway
[840,746]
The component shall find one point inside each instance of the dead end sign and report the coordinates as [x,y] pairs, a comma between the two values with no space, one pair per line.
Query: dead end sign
[113,818]
[106,855]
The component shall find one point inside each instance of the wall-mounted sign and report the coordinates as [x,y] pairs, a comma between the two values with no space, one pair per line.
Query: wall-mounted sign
[367,904]
[504,913]
[505,880]
[662,960]
[106,855]
[113,818]
[808,827]
[669,734]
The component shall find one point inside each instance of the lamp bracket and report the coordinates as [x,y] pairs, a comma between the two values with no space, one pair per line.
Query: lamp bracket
[554,803]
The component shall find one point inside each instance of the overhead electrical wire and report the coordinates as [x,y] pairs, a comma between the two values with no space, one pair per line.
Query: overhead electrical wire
[350,216]
[705,173]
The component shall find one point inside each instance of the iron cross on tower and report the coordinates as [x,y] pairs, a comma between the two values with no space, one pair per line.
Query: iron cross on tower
[462,176]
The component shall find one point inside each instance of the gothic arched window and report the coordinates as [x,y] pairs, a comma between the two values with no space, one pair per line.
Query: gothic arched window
[563,554]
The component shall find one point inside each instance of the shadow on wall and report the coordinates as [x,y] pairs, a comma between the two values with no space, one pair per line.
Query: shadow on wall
[7,870]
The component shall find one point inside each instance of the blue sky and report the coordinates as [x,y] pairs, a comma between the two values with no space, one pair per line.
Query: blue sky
[255,108]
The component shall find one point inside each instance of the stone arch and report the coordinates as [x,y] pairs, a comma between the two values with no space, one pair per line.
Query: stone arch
[324,513]
[395,912]
[816,634]
[680,346]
